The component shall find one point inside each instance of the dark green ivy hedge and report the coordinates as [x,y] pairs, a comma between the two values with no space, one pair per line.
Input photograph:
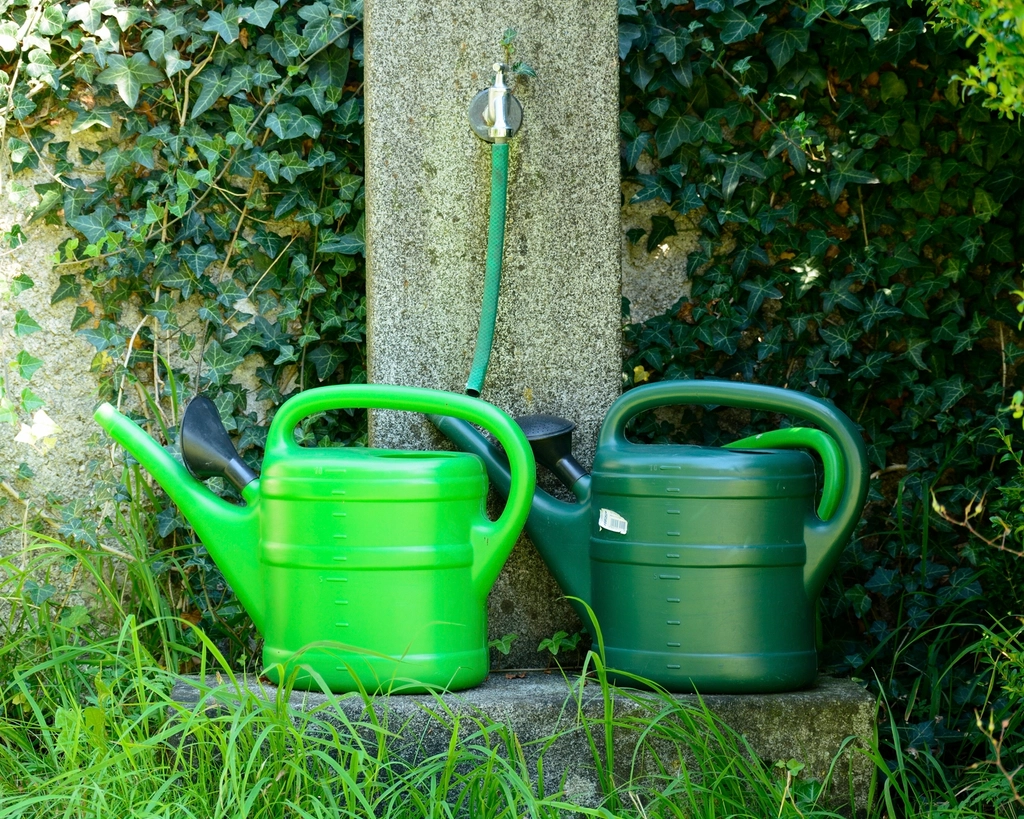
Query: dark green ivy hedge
[861,227]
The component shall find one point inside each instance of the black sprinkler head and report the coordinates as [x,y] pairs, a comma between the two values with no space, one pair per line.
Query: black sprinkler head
[550,439]
[206,448]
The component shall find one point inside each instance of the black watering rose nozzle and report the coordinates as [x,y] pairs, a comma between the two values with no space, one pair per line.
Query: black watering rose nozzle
[206,448]
[550,439]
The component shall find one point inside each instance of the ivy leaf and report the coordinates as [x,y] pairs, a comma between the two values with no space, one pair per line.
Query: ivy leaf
[872,366]
[163,309]
[815,8]
[885,582]
[199,258]
[260,14]
[838,293]
[220,364]
[293,166]
[734,25]
[103,336]
[289,122]
[24,324]
[818,242]
[908,163]
[877,23]
[21,283]
[68,287]
[661,228]
[916,346]
[844,173]
[759,290]
[628,34]
[223,24]
[40,593]
[736,167]
[672,44]
[269,163]
[896,45]
[689,200]
[89,14]
[951,391]
[128,76]
[326,358]
[348,244]
[654,187]
[213,86]
[635,148]
[876,309]
[28,365]
[783,43]
[840,339]
[322,27]
[672,132]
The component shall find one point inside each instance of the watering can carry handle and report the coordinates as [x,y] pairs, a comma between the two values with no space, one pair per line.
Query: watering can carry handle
[824,539]
[803,438]
[491,536]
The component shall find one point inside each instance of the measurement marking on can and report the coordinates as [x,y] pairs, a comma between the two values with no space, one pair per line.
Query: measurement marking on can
[672,622]
[668,576]
[672,534]
[341,602]
[672,600]
[342,537]
[672,489]
[672,665]
[339,558]
[336,579]
[672,511]
[337,491]
[340,514]
[672,645]
[666,468]
[671,555]
[341,625]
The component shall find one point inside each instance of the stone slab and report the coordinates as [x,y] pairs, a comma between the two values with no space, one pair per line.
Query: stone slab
[557,345]
[822,727]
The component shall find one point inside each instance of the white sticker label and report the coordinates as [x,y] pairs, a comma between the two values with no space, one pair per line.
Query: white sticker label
[612,521]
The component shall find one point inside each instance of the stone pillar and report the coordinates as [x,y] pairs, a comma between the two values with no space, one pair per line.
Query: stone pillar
[557,345]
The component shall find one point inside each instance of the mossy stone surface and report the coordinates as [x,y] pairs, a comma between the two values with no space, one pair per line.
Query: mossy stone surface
[826,723]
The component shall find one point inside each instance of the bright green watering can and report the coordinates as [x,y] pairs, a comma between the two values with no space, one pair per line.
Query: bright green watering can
[702,565]
[361,568]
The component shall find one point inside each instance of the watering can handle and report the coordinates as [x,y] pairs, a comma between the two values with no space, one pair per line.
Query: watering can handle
[824,539]
[813,439]
[492,539]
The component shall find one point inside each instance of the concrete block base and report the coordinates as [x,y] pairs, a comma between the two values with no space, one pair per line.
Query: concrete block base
[822,727]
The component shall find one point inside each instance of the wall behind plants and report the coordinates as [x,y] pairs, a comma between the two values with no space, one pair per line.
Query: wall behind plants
[861,230]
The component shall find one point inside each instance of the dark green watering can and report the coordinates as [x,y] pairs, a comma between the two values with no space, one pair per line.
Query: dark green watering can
[361,568]
[702,565]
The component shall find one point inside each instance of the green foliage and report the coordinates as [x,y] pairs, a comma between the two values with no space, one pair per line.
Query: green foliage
[558,641]
[860,226]
[97,723]
[503,644]
[996,30]
[221,220]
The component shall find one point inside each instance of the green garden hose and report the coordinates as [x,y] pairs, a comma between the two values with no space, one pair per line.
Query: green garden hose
[492,277]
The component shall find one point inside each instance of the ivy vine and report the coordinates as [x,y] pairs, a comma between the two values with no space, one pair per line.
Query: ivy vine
[861,226]
[219,225]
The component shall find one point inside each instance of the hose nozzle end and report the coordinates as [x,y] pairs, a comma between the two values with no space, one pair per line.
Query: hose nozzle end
[496,115]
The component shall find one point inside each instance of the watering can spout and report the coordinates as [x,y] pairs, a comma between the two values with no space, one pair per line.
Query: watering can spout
[560,531]
[230,533]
